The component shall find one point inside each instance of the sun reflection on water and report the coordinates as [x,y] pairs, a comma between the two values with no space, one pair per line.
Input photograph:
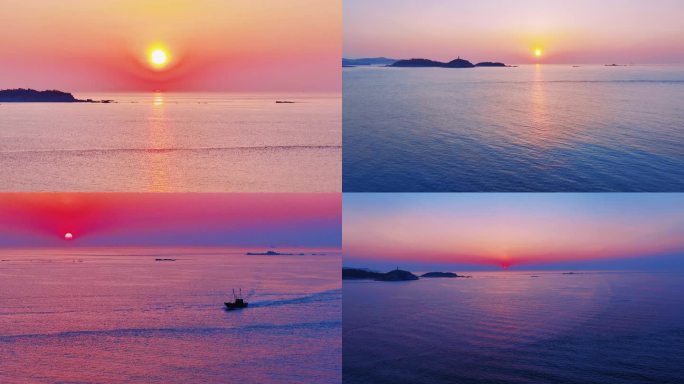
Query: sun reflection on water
[542,134]
[159,141]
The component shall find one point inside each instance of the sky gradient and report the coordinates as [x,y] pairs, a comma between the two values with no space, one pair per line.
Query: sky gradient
[263,221]
[212,45]
[567,31]
[520,231]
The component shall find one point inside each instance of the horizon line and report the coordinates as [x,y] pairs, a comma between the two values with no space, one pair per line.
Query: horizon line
[504,270]
[179,91]
[189,246]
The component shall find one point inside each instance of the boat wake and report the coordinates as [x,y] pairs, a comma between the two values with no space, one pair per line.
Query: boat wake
[334,294]
[150,332]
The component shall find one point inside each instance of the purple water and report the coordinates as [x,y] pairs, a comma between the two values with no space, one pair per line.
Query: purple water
[510,327]
[105,316]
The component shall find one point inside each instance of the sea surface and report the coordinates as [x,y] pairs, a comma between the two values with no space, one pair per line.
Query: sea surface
[512,327]
[530,128]
[178,142]
[97,316]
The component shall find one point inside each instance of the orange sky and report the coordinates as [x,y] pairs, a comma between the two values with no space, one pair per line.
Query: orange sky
[213,45]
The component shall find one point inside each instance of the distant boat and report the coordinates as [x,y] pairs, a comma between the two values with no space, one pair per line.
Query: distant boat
[239,302]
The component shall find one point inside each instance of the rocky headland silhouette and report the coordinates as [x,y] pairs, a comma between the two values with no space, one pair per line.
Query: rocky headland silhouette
[21,95]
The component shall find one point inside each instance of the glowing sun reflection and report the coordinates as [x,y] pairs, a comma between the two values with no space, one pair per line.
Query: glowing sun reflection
[159,141]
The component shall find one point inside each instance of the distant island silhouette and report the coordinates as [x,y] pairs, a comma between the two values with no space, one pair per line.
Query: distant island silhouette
[434,275]
[272,253]
[364,274]
[22,95]
[367,61]
[417,63]
[456,63]
[394,275]
[491,64]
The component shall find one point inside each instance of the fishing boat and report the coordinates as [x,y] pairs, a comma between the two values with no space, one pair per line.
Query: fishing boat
[238,302]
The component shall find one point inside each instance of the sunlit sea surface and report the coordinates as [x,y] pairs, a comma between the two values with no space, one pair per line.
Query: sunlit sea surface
[173,142]
[511,327]
[122,317]
[531,128]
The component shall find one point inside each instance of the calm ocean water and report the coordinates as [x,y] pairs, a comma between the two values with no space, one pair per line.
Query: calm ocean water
[123,317]
[173,142]
[532,128]
[509,327]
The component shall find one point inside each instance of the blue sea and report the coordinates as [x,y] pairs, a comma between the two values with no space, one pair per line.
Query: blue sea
[530,128]
[516,327]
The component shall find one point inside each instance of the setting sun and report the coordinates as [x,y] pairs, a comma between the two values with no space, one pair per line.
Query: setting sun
[158,57]
[537,52]
[68,236]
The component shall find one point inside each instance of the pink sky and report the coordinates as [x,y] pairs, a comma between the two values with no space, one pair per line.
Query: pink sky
[262,220]
[567,31]
[213,45]
[510,229]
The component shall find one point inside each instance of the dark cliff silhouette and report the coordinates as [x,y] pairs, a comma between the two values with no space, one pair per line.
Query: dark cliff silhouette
[50,96]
